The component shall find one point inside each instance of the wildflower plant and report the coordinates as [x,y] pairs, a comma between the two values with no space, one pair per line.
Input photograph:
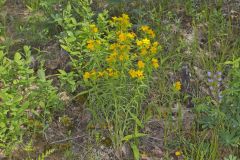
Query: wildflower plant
[215,83]
[223,116]
[116,65]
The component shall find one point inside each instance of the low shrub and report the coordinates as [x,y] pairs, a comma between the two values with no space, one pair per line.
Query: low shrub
[26,99]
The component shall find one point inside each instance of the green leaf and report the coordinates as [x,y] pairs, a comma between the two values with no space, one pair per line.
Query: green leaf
[66,48]
[21,110]
[133,136]
[1,55]
[2,125]
[70,39]
[17,58]
[135,150]
[139,123]
[62,72]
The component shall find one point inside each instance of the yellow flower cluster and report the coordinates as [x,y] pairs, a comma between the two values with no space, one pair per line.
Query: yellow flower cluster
[91,44]
[155,63]
[148,31]
[119,52]
[112,73]
[178,85]
[154,48]
[123,54]
[94,74]
[123,21]
[141,64]
[122,37]
[143,43]
[136,73]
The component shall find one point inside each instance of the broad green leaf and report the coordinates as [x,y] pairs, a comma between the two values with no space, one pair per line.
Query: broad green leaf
[133,136]
[62,72]
[17,58]
[66,48]
[135,151]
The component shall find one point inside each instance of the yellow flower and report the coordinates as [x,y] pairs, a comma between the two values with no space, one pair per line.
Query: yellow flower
[178,153]
[155,44]
[86,75]
[123,56]
[125,19]
[131,35]
[101,74]
[124,48]
[90,45]
[153,50]
[114,18]
[146,41]
[139,74]
[122,37]
[178,85]
[155,63]
[136,74]
[143,51]
[113,46]
[141,64]
[112,73]
[151,33]
[94,29]
[112,58]
[132,73]
[148,30]
[144,28]
[139,43]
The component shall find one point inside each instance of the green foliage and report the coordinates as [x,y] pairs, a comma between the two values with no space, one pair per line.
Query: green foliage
[230,157]
[224,116]
[44,155]
[231,105]
[38,21]
[23,98]
[202,148]
[43,5]
[2,2]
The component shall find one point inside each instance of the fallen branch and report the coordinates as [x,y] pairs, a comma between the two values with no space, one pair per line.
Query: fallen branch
[67,139]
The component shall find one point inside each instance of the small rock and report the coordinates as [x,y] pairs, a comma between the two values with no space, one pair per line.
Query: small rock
[158,152]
